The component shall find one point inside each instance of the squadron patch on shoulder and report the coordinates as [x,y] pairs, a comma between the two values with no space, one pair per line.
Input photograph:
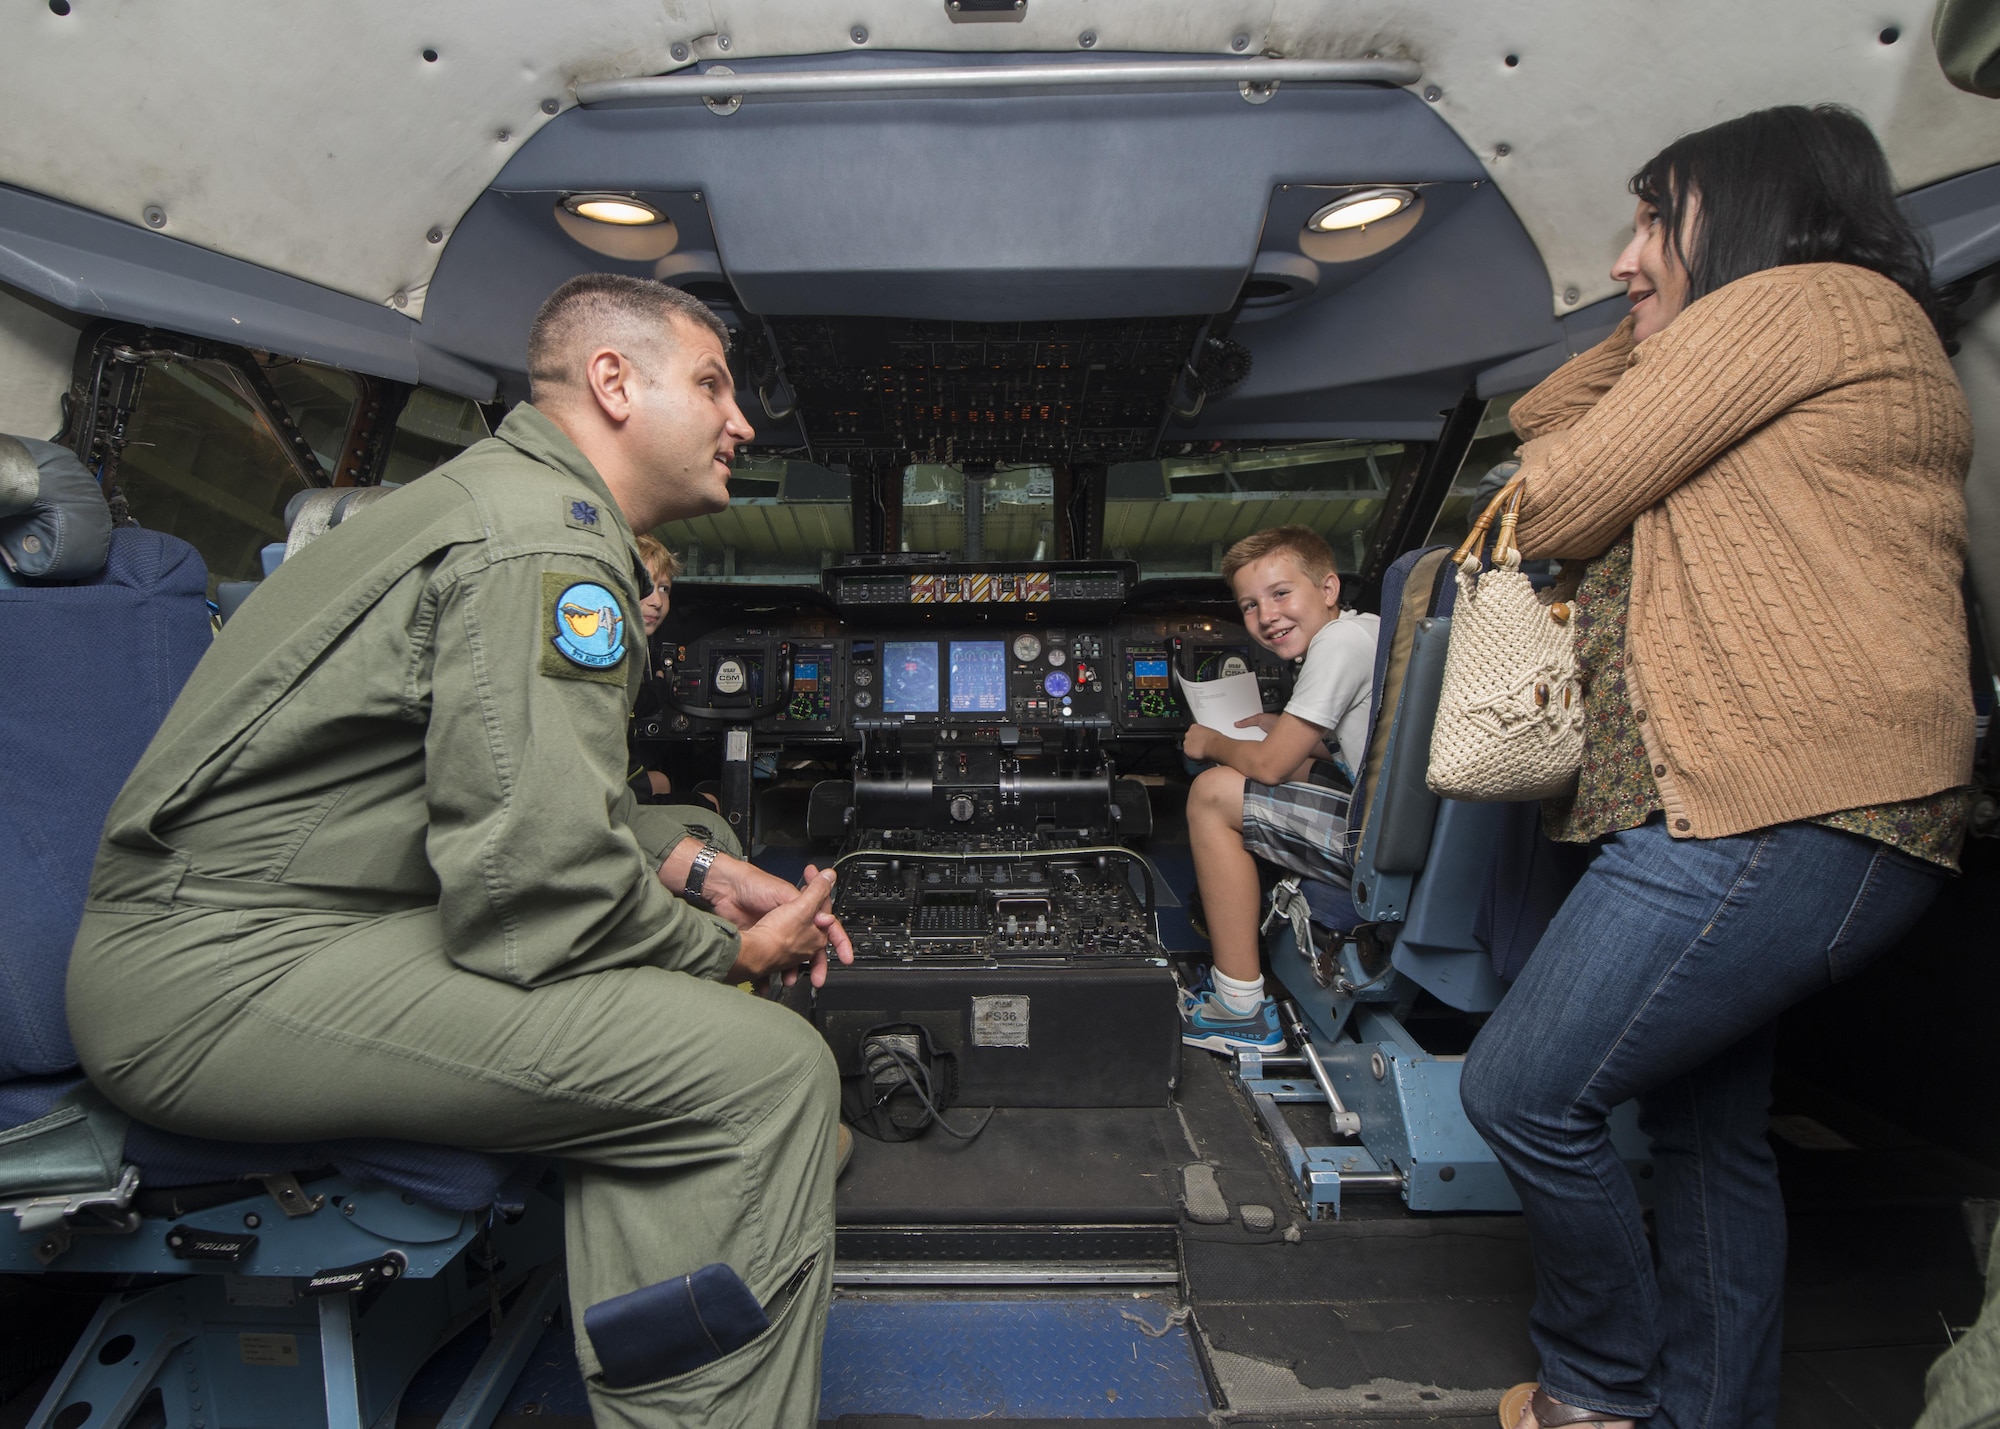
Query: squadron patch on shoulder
[584,625]
[582,516]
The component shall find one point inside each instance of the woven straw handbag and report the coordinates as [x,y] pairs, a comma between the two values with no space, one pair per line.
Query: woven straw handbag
[1510,717]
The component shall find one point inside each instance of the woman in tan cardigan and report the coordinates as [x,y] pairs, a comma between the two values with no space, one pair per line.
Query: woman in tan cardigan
[1762,467]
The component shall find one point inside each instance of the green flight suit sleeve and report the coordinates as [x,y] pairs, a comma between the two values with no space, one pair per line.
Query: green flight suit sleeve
[543,876]
[660,826]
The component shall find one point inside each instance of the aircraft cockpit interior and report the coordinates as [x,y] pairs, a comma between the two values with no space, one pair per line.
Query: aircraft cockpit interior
[1036,311]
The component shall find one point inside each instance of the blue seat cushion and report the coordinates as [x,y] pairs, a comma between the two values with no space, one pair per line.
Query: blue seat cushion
[1332,906]
[87,672]
[443,1176]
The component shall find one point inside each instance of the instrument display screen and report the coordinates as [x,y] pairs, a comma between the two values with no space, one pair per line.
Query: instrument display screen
[1149,672]
[805,674]
[909,677]
[978,676]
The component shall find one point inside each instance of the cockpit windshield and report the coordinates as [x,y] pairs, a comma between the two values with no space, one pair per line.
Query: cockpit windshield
[1176,516]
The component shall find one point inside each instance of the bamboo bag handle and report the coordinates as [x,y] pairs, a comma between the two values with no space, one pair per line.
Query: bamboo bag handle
[1509,496]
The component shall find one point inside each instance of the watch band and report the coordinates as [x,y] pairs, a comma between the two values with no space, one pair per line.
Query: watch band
[698,875]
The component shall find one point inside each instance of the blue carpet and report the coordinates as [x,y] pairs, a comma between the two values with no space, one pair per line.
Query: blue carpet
[940,1359]
[1008,1359]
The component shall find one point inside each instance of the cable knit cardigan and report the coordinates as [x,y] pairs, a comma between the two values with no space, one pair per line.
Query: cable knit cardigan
[1790,454]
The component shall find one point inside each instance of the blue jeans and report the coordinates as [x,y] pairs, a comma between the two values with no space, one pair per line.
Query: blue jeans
[1660,979]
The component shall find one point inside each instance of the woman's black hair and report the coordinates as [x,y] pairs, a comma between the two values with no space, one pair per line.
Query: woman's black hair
[1785,185]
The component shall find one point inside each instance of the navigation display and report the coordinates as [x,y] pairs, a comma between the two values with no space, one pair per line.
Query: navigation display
[909,677]
[978,676]
[1150,672]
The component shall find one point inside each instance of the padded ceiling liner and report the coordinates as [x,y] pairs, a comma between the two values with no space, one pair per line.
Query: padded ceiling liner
[995,209]
[319,141]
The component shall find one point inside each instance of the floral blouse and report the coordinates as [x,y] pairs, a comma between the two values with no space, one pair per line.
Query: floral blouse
[1615,789]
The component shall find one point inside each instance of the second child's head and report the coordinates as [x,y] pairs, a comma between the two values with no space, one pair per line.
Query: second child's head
[662,565]
[1286,587]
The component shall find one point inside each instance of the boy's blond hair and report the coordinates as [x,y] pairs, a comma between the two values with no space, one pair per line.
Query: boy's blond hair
[661,564]
[1306,546]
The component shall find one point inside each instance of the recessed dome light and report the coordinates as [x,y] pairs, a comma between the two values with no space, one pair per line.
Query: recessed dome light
[1358,210]
[621,209]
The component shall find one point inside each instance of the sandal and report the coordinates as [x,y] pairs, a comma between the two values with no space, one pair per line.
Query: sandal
[1549,1413]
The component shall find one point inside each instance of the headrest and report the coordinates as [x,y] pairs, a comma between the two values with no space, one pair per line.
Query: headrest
[54,523]
[311,514]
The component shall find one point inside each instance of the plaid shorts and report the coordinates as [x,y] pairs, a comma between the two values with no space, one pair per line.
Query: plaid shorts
[1300,827]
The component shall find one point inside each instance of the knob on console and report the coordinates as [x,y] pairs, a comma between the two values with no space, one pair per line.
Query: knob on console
[961,808]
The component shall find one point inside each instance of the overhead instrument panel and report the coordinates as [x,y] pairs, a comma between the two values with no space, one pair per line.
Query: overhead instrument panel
[890,391]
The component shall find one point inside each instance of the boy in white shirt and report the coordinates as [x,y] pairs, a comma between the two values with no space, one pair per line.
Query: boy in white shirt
[1259,802]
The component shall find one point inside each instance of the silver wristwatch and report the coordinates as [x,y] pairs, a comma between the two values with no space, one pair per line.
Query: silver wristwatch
[698,875]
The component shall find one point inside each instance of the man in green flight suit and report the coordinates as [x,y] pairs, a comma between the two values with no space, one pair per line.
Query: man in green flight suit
[379,873]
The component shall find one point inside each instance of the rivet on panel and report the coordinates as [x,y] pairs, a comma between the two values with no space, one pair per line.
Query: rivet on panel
[679,52]
[1087,39]
[1570,295]
[722,42]
[400,299]
[550,106]
[430,57]
[1501,151]
[859,34]
[1240,44]
[1511,61]
[1433,93]
[502,137]
[155,216]
[436,235]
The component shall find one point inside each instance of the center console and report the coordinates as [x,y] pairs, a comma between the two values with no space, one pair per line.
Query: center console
[988,849]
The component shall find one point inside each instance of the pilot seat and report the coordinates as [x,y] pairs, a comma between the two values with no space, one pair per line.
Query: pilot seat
[242,1285]
[1446,902]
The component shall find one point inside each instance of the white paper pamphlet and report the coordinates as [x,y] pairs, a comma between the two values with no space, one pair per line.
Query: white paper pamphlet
[1220,703]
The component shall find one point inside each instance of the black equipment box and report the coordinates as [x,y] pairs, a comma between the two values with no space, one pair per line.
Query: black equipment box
[1098,1034]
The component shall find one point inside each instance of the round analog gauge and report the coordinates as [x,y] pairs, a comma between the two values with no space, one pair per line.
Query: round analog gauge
[863,675]
[1027,647]
[1056,683]
[1057,656]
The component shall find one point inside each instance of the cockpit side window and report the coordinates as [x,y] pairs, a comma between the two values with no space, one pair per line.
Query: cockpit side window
[1492,443]
[433,428]
[203,462]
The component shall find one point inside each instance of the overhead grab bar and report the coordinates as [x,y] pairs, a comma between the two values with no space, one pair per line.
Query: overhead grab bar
[1259,73]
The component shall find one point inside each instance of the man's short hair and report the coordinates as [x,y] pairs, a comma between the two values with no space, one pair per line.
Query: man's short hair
[1306,546]
[608,309]
[662,564]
